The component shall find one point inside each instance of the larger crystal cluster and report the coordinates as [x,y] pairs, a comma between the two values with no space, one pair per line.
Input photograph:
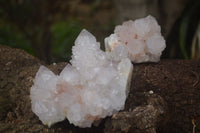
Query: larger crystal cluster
[141,38]
[93,86]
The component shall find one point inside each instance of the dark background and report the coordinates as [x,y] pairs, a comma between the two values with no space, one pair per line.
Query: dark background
[47,29]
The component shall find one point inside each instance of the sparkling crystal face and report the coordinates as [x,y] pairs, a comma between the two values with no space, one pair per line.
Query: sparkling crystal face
[141,38]
[93,86]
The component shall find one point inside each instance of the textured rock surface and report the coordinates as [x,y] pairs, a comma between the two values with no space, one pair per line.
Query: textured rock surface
[141,38]
[176,81]
[17,70]
[93,87]
[141,119]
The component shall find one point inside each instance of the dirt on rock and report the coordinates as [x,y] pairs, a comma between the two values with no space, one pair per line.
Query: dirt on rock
[176,82]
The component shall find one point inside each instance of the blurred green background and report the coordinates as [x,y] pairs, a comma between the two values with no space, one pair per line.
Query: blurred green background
[47,29]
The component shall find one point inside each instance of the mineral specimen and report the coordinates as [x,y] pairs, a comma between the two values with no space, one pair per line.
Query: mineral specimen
[141,38]
[93,86]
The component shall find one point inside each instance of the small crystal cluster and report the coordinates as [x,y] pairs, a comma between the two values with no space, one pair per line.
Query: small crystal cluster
[96,83]
[141,38]
[94,86]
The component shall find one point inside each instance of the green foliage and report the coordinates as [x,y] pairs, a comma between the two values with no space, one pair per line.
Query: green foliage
[188,26]
[195,48]
[39,28]
[182,37]
[13,37]
[63,37]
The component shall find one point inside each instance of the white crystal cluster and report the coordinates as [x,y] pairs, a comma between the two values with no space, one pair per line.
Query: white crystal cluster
[96,83]
[141,38]
[93,86]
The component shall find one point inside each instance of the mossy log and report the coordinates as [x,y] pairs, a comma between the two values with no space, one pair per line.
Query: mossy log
[164,98]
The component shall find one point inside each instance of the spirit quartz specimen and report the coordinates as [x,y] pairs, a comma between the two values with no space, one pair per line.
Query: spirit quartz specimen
[141,38]
[96,83]
[93,86]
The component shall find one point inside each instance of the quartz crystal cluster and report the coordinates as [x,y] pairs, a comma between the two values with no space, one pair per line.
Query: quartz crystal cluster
[141,38]
[93,86]
[96,83]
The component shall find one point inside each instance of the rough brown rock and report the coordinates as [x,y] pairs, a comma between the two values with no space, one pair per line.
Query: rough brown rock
[164,97]
[142,119]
